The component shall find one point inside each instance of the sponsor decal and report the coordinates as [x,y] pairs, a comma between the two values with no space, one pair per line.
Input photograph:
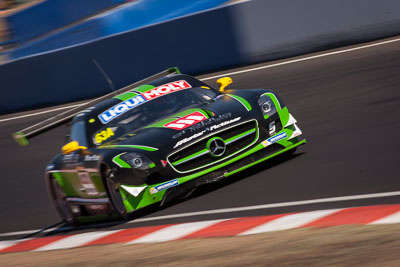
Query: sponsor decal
[166,89]
[121,108]
[102,136]
[135,101]
[164,162]
[91,158]
[208,129]
[203,123]
[164,186]
[70,158]
[186,121]
[214,127]
[183,141]
[274,139]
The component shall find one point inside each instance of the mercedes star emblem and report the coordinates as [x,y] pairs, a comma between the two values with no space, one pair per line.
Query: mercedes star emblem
[216,146]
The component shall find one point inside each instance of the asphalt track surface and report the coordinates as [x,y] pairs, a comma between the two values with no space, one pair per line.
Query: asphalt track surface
[346,104]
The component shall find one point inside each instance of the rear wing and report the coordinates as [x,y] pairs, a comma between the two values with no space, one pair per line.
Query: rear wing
[21,137]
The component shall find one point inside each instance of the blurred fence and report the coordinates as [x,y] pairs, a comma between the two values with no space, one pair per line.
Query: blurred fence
[124,18]
[242,33]
[48,15]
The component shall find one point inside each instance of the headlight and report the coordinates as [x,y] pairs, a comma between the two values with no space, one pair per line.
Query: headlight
[267,106]
[137,161]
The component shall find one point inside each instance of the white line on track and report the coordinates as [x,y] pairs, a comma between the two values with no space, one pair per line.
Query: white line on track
[238,209]
[270,206]
[239,72]
[41,112]
[303,59]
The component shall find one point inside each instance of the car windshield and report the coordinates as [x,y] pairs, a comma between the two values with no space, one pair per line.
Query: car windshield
[140,116]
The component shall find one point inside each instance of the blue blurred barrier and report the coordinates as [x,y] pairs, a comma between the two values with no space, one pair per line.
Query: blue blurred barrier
[242,33]
[48,15]
[204,41]
[124,18]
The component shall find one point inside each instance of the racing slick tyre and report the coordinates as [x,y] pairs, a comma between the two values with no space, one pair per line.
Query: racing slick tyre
[112,187]
[58,197]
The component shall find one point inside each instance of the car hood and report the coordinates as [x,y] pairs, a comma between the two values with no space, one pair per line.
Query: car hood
[170,133]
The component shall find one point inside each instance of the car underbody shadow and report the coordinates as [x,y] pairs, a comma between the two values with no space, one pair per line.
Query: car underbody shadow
[210,187]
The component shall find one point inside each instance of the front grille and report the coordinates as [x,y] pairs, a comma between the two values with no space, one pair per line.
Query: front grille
[197,156]
[217,175]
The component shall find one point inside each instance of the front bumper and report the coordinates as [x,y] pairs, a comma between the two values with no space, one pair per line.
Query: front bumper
[280,142]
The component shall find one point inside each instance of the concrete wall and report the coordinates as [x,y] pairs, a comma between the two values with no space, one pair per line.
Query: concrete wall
[269,29]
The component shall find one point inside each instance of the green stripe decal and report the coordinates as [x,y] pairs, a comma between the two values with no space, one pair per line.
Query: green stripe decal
[194,155]
[144,88]
[284,115]
[117,160]
[126,96]
[275,100]
[251,151]
[242,101]
[239,135]
[189,111]
[266,158]
[190,156]
[147,148]
[59,178]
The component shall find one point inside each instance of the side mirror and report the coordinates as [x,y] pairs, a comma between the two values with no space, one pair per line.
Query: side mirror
[223,82]
[71,147]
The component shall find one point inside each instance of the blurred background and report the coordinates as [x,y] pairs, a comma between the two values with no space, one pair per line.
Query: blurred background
[70,50]
[54,52]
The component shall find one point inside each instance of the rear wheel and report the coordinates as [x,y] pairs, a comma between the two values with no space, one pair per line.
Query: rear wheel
[58,197]
[113,193]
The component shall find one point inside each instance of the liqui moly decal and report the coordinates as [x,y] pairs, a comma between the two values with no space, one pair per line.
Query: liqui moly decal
[166,89]
[186,121]
[135,101]
[121,108]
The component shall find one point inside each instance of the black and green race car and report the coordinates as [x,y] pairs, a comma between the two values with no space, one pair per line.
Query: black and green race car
[159,139]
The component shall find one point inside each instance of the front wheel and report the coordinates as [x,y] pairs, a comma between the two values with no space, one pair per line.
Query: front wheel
[112,187]
[58,197]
